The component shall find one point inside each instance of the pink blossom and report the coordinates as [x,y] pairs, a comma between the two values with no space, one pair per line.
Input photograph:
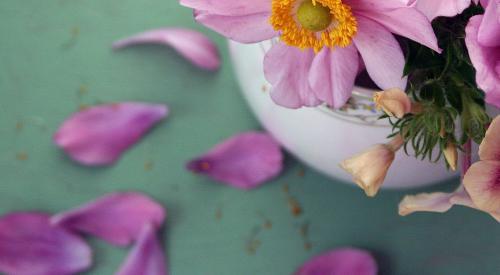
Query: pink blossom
[307,68]
[343,261]
[483,43]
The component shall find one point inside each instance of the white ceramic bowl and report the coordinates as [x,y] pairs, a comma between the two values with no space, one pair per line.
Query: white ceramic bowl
[321,137]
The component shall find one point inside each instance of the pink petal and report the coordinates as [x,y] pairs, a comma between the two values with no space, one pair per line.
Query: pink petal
[490,147]
[193,45]
[396,21]
[448,8]
[486,61]
[489,31]
[29,245]
[117,218]
[425,202]
[249,28]
[229,7]
[287,68]
[243,161]
[146,257]
[345,261]
[381,54]
[99,135]
[333,73]
[482,182]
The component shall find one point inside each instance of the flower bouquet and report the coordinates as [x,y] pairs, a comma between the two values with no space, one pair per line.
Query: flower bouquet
[436,65]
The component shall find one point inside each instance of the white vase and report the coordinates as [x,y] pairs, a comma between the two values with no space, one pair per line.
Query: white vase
[321,137]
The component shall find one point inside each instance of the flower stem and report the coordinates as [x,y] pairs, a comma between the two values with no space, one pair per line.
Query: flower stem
[466,157]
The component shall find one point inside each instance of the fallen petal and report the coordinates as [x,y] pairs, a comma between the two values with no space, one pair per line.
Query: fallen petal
[427,202]
[117,218]
[243,161]
[146,257]
[99,135]
[193,45]
[30,245]
[343,261]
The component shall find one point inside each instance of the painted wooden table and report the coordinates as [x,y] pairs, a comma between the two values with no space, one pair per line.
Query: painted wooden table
[55,57]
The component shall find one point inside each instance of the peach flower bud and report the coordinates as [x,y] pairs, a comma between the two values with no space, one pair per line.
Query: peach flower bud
[370,168]
[394,102]
[451,155]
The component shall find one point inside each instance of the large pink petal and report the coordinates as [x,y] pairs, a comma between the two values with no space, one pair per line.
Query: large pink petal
[418,28]
[486,61]
[146,257]
[229,7]
[193,45]
[345,261]
[287,69]
[381,54]
[448,8]
[249,28]
[375,5]
[243,161]
[99,135]
[490,146]
[489,31]
[117,218]
[30,245]
[333,73]
[482,182]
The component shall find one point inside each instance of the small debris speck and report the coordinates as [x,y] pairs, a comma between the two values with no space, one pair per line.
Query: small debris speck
[149,165]
[22,156]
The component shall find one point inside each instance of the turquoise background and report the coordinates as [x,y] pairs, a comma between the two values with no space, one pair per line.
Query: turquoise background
[55,56]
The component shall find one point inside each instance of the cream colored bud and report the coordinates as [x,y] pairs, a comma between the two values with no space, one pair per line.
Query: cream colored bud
[394,102]
[451,155]
[370,167]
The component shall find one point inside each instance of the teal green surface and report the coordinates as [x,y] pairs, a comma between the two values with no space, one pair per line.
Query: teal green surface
[55,56]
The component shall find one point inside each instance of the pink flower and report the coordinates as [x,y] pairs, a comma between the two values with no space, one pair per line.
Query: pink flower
[483,43]
[317,58]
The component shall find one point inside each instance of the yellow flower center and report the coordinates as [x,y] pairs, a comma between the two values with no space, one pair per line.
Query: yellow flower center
[314,24]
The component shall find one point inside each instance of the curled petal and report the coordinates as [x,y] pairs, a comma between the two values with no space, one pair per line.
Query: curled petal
[332,75]
[243,161]
[117,218]
[229,7]
[482,182]
[381,54]
[448,8]
[99,135]
[194,46]
[433,202]
[342,261]
[30,245]
[146,257]
[490,147]
[394,102]
[370,168]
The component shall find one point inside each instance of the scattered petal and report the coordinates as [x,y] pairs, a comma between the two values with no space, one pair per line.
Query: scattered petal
[193,45]
[30,245]
[343,261]
[117,218]
[243,161]
[99,135]
[146,257]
